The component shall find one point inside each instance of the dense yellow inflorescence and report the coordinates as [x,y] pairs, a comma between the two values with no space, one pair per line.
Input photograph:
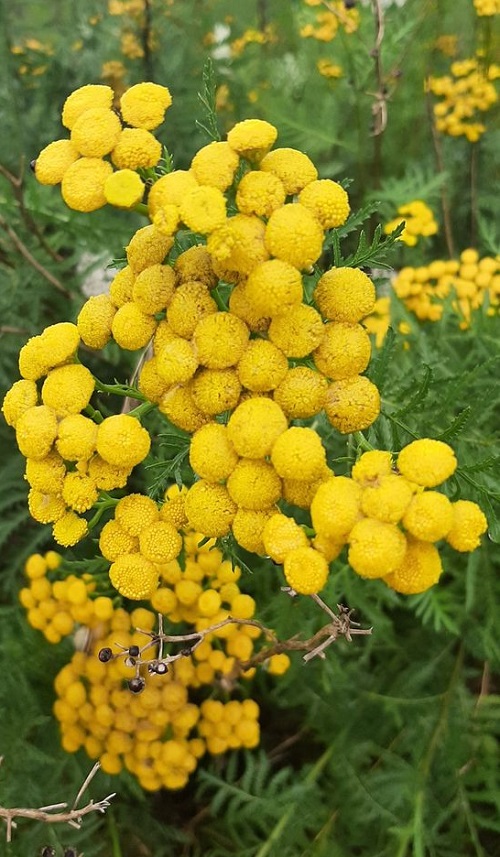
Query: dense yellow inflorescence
[465,94]
[418,219]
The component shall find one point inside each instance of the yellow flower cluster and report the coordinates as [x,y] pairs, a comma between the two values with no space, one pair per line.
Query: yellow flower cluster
[326,23]
[253,37]
[465,93]
[418,219]
[329,69]
[471,281]
[487,7]
[88,180]
[57,606]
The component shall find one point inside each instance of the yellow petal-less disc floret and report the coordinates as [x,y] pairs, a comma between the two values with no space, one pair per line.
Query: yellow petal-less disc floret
[203,209]
[135,512]
[196,264]
[300,493]
[105,475]
[170,190]
[147,247]
[136,148]
[298,331]
[238,245]
[240,305]
[427,462]
[215,390]
[335,507]
[255,425]
[372,466]
[429,517]
[209,508]
[180,408]
[122,441]
[301,393]
[153,288]
[299,454]
[352,404]
[131,327]
[82,186]
[220,339]
[54,160]
[96,132]
[306,570]
[68,389]
[262,367]
[387,498]
[124,189]
[69,530]
[252,138]
[215,165]
[344,350]
[375,548]
[160,542]
[114,541]
[94,321]
[260,193]
[469,524]
[18,399]
[273,287]
[281,535]
[79,491]
[345,294]
[134,576]
[45,508]
[254,484]
[144,105]
[248,526]
[176,362]
[294,235]
[327,201]
[211,453]
[76,437]
[120,288]
[46,474]
[83,99]
[419,570]
[190,303]
[294,169]
[36,431]
[278,664]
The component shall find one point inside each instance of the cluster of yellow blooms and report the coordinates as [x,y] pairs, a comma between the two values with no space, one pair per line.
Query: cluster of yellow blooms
[418,219]
[465,93]
[252,36]
[329,69]
[472,282]
[160,734]
[327,21]
[487,7]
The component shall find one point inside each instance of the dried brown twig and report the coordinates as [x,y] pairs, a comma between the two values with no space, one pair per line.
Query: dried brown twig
[52,814]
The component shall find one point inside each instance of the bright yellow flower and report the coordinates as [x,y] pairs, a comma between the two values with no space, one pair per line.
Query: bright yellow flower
[18,399]
[220,340]
[281,535]
[36,431]
[114,541]
[254,484]
[352,404]
[299,454]
[124,189]
[420,569]
[248,527]
[375,548]
[239,243]
[96,132]
[106,476]
[209,508]
[45,508]
[344,350]
[160,542]
[293,168]
[68,389]
[76,437]
[345,294]
[133,576]
[122,441]
[147,247]
[94,321]
[211,453]
[294,235]
[53,161]
[301,393]
[335,508]
[215,165]
[190,303]
[79,491]
[196,264]
[327,201]
[386,498]
[429,517]
[306,570]
[469,524]
[83,99]
[176,362]
[120,289]
[180,408]
[144,105]
[131,327]
[427,462]
[69,529]
[298,331]
[153,288]
[170,189]
[260,193]
[46,474]
[203,209]
[135,512]
[136,148]
[255,425]
[252,138]
[262,367]
[82,186]
[273,287]
[216,390]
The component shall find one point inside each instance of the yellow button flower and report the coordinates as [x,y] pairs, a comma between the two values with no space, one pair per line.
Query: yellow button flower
[327,201]
[386,499]
[122,441]
[135,512]
[56,345]
[215,165]
[274,287]
[18,399]
[301,393]
[105,475]
[203,209]
[220,339]
[69,530]
[299,454]
[96,132]
[45,508]
[420,569]
[124,189]
[180,408]
[352,404]
[375,548]
[294,235]
[79,491]
[131,327]
[190,303]
[260,193]
[46,474]
[335,508]
[300,493]
[248,527]
[281,535]
[344,350]
[147,247]
[255,425]
[427,462]
[240,305]
[252,138]
[68,389]
[254,484]
[239,243]
[36,431]
[216,390]
[94,321]
[82,186]
[134,576]
[170,190]
[176,362]
[211,453]
[469,524]
[150,383]
[306,570]
[294,169]
[144,104]
[85,98]
[136,148]
[160,542]
[209,508]
[429,517]
[76,437]
[278,664]
[114,541]
[372,466]
[298,331]
[120,289]
[196,264]
[345,294]
[54,160]
[262,367]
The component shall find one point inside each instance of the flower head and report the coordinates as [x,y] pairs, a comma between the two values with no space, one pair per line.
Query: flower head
[327,201]
[220,340]
[190,303]
[147,247]
[248,527]
[299,454]
[170,190]
[294,235]
[94,321]
[136,148]
[419,570]
[180,408]
[46,474]
[131,327]
[82,186]
[306,570]
[209,508]
[273,287]
[335,507]
[196,264]
[160,542]
[79,491]
[68,389]
[144,105]
[375,548]
[203,209]
[18,399]
[281,535]
[429,516]
[252,138]
[255,425]
[254,484]
[427,462]
[124,189]
[216,390]
[469,524]
[134,576]
[36,431]
[344,350]
[293,168]
[211,453]
[260,193]
[262,367]
[176,362]
[345,294]
[120,289]
[96,132]
[53,161]
[76,437]
[135,512]
[301,393]
[122,441]
[215,165]
[239,243]
[352,404]
[298,331]
[387,498]
[70,529]
[153,288]
[85,98]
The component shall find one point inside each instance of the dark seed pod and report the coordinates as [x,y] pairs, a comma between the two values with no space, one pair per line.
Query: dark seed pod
[186,651]
[137,684]
[134,651]
[161,668]
[105,655]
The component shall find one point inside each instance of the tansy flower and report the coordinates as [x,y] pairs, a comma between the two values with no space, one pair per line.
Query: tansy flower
[469,524]
[153,288]
[190,303]
[327,201]
[76,437]
[167,219]
[239,243]
[299,454]
[252,138]
[419,570]
[216,390]
[136,148]
[306,570]
[211,453]
[54,160]
[106,476]
[134,576]
[131,327]
[160,542]
[120,289]
[293,168]
[96,132]
[196,264]
[294,235]
[144,105]
[255,425]
[147,247]
[254,484]
[352,404]
[173,510]
[79,491]
[209,508]
[429,517]
[45,508]
[68,389]
[248,527]
[36,431]
[281,535]
[300,493]
[176,362]
[18,399]
[427,462]
[371,466]
[301,393]
[179,407]
[220,339]
[330,548]
[124,189]
[170,190]
[135,512]
[69,529]
[375,548]
[94,321]
[82,186]
[243,307]
[273,287]
[345,294]
[344,350]
[83,99]
[260,193]
[335,507]
[215,165]
[278,664]
[387,498]
[122,441]
[298,331]
[150,383]
[262,366]
[46,474]
[203,209]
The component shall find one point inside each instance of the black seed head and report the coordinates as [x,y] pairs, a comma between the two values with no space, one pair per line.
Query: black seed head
[161,668]
[133,651]
[137,684]
[105,655]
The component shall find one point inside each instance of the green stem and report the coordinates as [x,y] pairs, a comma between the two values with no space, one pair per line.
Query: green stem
[113,835]
[93,414]
[362,442]
[142,410]
[100,507]
[119,390]
[141,208]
